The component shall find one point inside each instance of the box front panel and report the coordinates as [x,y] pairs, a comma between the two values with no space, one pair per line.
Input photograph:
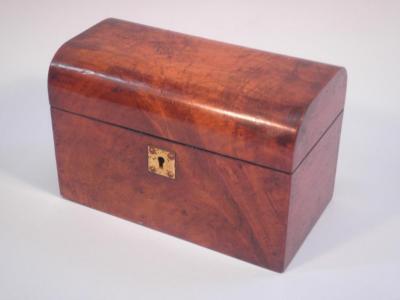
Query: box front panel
[221,203]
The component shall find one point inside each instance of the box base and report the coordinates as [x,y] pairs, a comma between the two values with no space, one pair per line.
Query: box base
[250,212]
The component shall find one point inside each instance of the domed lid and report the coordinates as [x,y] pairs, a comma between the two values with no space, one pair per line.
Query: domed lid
[263,108]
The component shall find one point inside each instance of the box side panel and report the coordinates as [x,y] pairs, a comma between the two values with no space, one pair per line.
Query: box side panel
[221,203]
[312,188]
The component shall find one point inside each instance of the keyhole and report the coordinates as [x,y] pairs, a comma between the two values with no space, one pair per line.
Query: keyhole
[161,161]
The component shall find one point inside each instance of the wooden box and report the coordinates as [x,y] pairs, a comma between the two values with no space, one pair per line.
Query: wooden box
[231,148]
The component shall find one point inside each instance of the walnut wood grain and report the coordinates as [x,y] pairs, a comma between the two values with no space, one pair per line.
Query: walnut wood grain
[221,203]
[261,107]
[254,136]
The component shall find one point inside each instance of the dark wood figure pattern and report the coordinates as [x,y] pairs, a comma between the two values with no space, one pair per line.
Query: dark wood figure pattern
[254,137]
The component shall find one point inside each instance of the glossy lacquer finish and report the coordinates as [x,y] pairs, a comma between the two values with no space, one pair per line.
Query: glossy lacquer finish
[256,106]
[221,203]
[254,137]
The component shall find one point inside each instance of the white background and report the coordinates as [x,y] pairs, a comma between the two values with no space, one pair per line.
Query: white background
[51,248]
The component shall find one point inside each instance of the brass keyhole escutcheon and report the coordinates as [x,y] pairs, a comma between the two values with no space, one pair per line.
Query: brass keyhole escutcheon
[161,162]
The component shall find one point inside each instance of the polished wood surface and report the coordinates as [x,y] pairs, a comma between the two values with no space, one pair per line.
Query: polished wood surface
[221,203]
[312,188]
[265,108]
[254,137]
